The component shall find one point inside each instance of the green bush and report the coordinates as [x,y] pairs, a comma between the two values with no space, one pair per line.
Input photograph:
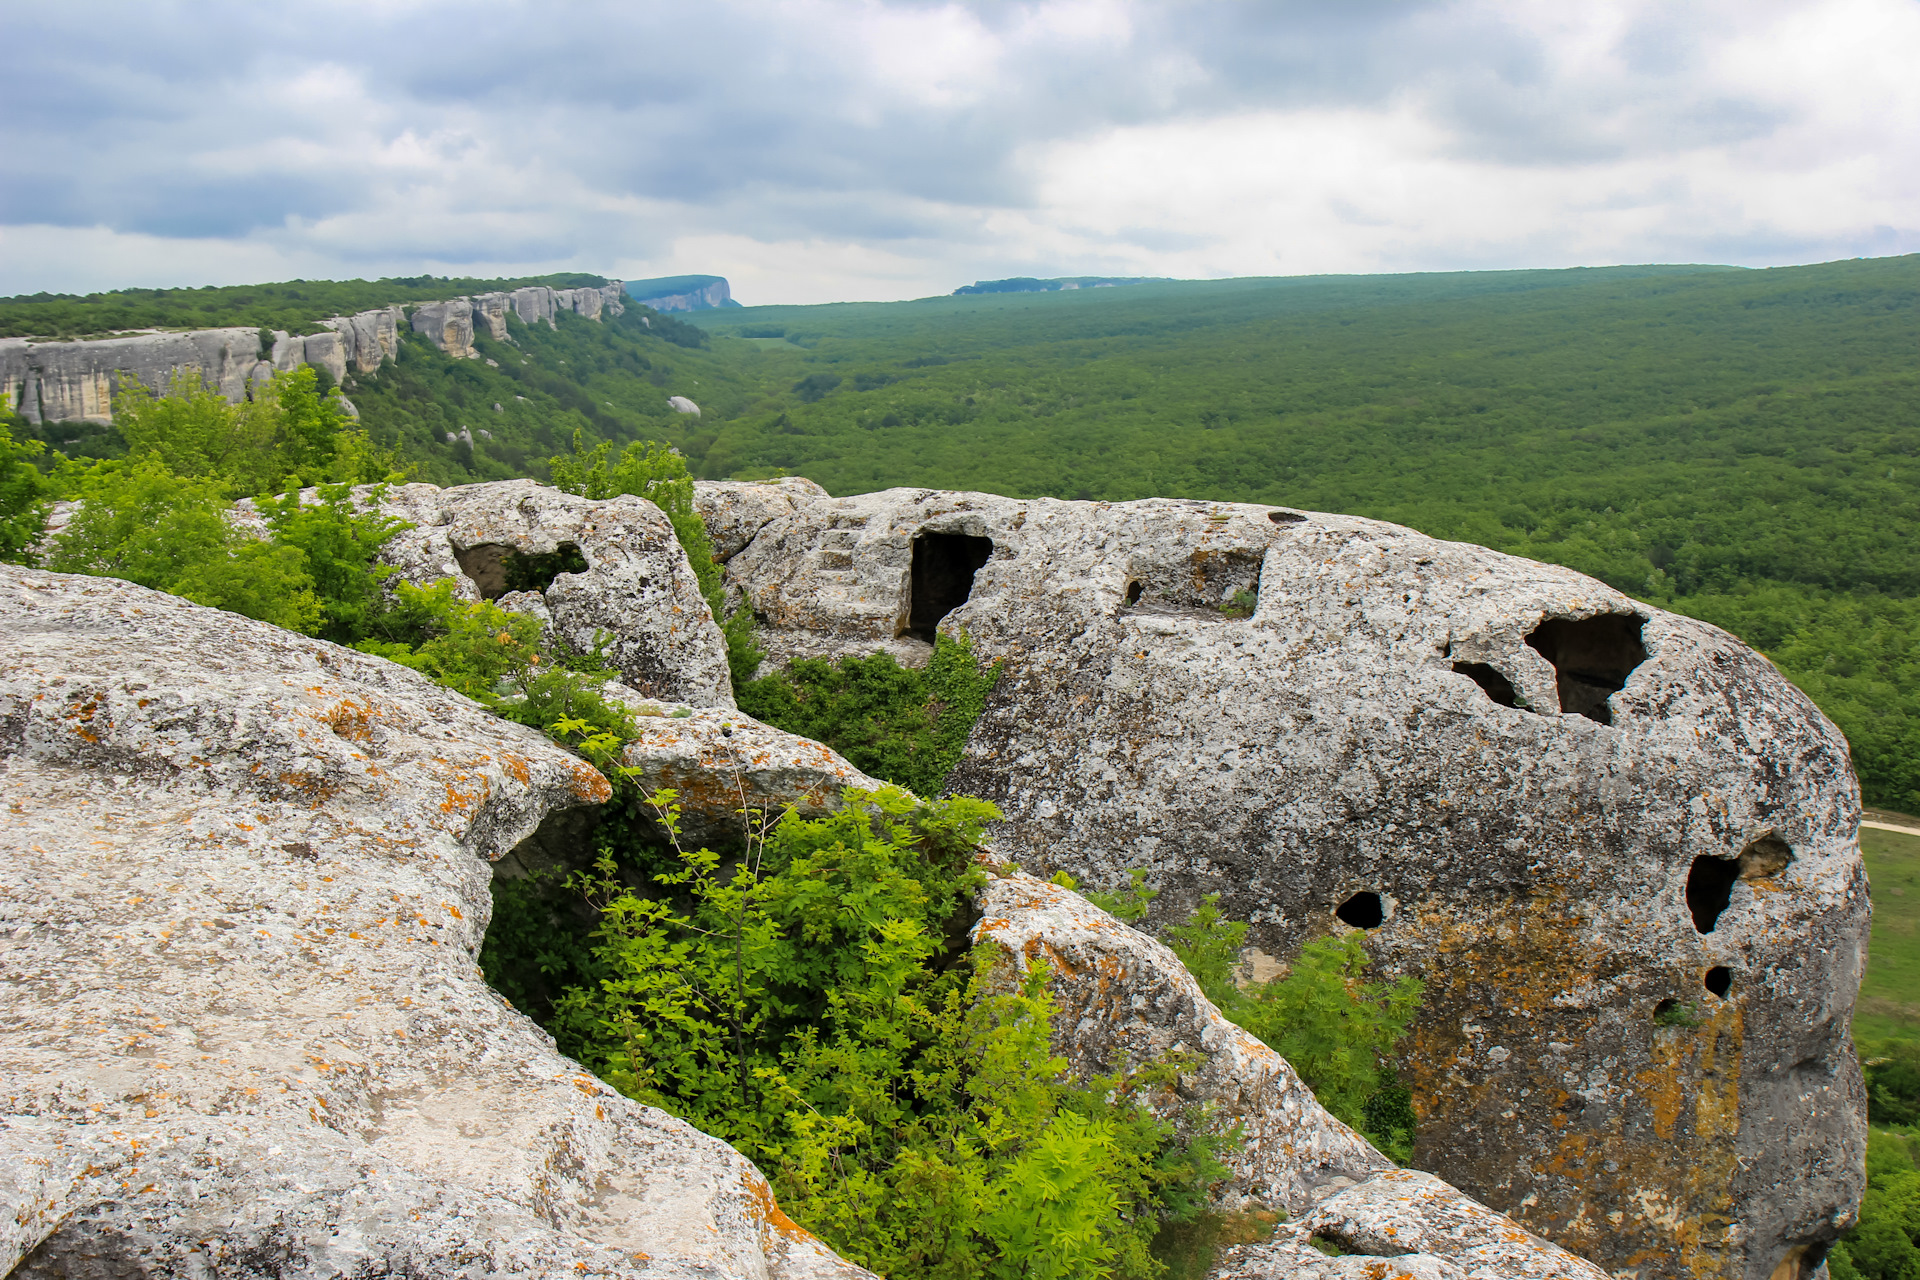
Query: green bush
[906,725]
[1885,1243]
[25,494]
[803,999]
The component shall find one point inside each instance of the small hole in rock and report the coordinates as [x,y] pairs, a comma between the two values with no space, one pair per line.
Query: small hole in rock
[1362,911]
[1134,592]
[1709,889]
[1671,1013]
[943,569]
[1765,858]
[1719,980]
[1285,517]
[1592,658]
[1491,682]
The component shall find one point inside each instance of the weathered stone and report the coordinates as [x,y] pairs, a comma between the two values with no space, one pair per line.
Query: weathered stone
[735,510]
[638,590]
[491,310]
[1124,998]
[327,351]
[725,766]
[1403,1222]
[242,883]
[447,325]
[370,336]
[1347,744]
[73,381]
[680,404]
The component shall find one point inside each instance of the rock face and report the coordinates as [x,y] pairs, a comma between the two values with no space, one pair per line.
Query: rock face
[1616,845]
[369,337]
[695,294]
[73,381]
[1123,997]
[447,325]
[242,883]
[637,589]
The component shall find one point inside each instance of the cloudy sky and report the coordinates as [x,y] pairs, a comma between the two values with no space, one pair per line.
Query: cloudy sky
[820,150]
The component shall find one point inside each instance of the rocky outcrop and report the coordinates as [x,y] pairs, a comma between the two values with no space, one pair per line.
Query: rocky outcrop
[73,381]
[1404,1224]
[735,511]
[1124,999]
[682,293]
[243,877]
[1615,844]
[511,541]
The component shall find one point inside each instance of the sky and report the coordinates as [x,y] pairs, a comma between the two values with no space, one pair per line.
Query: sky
[832,150]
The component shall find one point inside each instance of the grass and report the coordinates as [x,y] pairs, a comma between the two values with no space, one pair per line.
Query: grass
[1889,1004]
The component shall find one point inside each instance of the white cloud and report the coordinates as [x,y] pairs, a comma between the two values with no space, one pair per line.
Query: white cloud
[828,149]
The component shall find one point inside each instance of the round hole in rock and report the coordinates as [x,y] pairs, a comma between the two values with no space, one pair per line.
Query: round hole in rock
[1362,911]
[1719,980]
[1134,591]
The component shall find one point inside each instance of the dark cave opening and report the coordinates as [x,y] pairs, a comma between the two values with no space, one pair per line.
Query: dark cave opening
[1592,658]
[1134,591]
[1491,682]
[1719,980]
[1362,911]
[1286,517]
[1710,889]
[497,569]
[943,569]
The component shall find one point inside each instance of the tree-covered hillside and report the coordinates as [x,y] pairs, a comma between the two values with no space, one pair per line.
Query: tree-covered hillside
[1738,445]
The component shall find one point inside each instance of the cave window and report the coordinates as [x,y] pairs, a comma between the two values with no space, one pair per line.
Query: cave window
[1710,889]
[943,569]
[1491,682]
[1592,658]
[497,569]
[1719,980]
[1362,911]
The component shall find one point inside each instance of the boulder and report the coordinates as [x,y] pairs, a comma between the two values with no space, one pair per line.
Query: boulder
[447,325]
[1619,849]
[1125,998]
[734,511]
[243,879]
[680,404]
[638,589]
[1404,1223]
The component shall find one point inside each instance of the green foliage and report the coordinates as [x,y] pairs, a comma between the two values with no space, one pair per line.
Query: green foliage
[658,473]
[25,494]
[906,725]
[1885,1243]
[493,656]
[802,1000]
[1132,902]
[141,522]
[1892,1071]
[339,542]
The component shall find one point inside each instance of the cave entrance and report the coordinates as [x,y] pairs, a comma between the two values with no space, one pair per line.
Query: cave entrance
[1592,658]
[943,569]
[497,569]
[1710,889]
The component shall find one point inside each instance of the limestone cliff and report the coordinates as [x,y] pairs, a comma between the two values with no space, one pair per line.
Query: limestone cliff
[682,293]
[73,381]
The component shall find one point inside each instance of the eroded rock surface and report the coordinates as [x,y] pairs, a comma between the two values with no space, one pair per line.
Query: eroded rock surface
[243,879]
[511,541]
[1550,802]
[1404,1223]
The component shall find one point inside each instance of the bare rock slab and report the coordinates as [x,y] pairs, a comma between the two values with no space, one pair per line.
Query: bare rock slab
[1619,849]
[243,878]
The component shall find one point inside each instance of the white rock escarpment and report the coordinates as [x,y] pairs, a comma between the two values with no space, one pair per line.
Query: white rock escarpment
[1565,810]
[243,877]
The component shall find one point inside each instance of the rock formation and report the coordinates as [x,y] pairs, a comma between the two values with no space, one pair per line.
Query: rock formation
[1615,844]
[242,881]
[593,572]
[73,381]
[1124,998]
[682,293]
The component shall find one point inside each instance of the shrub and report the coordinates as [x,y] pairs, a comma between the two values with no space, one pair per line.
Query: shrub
[802,1000]
[24,494]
